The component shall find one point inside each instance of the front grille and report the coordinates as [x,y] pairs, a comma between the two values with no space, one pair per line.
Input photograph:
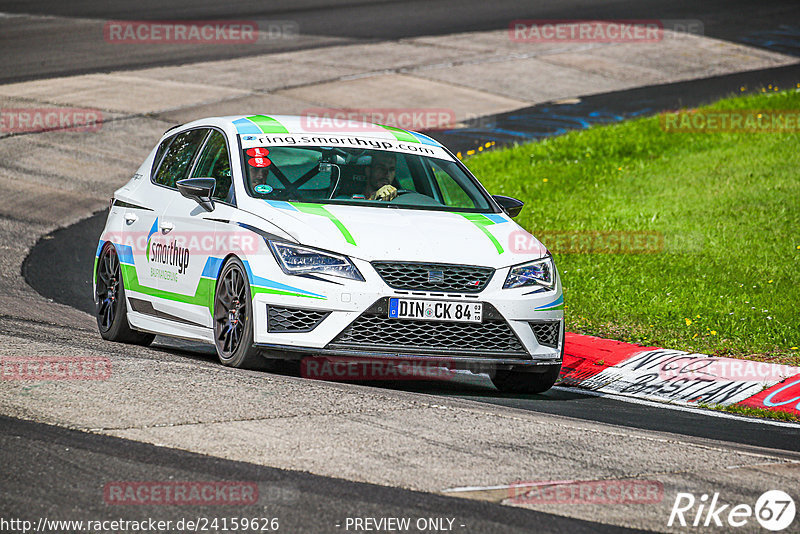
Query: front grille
[434,276]
[547,332]
[374,331]
[293,319]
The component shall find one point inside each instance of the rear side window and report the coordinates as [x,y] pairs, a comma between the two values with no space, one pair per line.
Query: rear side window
[215,163]
[179,157]
[160,153]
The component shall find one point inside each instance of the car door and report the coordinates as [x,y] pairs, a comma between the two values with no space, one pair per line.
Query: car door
[140,222]
[169,260]
[194,230]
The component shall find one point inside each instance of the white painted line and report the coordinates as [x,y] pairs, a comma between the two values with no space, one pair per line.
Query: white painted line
[475,488]
[690,409]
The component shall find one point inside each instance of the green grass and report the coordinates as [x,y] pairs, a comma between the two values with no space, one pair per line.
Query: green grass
[747,411]
[727,205]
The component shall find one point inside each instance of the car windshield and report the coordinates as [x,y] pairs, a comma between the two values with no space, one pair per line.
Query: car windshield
[356,176]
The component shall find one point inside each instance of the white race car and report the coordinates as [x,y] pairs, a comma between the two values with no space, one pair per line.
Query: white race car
[272,237]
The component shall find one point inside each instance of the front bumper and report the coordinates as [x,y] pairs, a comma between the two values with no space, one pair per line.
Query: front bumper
[349,318]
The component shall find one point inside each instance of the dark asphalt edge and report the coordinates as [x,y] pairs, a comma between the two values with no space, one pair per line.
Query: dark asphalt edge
[183,62]
[71,243]
[732,33]
[306,483]
[547,119]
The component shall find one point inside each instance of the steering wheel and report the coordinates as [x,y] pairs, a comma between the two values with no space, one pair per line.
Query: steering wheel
[398,193]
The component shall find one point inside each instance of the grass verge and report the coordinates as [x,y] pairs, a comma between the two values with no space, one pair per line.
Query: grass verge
[754,412]
[725,210]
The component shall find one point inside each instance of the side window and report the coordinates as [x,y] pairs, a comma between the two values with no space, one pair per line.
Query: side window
[215,163]
[160,153]
[179,156]
[453,194]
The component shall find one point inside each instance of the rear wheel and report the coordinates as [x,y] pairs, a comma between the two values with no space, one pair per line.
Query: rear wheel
[111,311]
[233,318]
[511,381]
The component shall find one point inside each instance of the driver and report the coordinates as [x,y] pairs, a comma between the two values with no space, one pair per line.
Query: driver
[380,174]
[258,176]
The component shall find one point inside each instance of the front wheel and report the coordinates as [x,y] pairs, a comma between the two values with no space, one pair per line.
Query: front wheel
[512,381]
[233,318]
[111,311]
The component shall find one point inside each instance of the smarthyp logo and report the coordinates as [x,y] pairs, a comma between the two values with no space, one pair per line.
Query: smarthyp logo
[166,253]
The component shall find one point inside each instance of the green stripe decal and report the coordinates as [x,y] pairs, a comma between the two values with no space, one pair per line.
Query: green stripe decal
[316,209]
[552,308]
[203,296]
[481,222]
[267,124]
[400,134]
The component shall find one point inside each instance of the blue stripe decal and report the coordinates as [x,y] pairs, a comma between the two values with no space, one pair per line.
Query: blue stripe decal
[212,268]
[425,139]
[153,229]
[99,248]
[263,282]
[558,302]
[125,254]
[244,126]
[495,218]
[281,204]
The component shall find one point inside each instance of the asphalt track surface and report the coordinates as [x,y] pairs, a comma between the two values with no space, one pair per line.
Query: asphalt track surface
[70,461]
[536,122]
[63,38]
[69,282]
[58,473]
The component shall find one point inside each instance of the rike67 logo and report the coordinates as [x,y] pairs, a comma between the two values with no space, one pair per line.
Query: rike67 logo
[774,510]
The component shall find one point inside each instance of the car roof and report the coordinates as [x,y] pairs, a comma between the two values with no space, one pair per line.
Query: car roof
[303,124]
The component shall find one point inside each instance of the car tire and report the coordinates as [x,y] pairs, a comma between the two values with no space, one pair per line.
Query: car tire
[233,318]
[111,311]
[511,381]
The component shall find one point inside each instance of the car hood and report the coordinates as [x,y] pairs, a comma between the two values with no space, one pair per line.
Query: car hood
[493,240]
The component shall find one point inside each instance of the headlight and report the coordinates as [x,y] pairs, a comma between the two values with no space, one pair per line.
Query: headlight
[539,272]
[296,259]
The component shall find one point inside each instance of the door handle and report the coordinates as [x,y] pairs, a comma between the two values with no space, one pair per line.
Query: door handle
[131,218]
[166,227]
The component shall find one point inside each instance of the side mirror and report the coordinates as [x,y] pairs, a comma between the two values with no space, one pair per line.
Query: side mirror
[199,190]
[512,206]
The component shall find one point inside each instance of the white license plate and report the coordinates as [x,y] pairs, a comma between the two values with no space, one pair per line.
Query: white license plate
[436,310]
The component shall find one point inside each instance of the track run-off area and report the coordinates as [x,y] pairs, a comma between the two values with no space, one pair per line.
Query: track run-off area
[323,452]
